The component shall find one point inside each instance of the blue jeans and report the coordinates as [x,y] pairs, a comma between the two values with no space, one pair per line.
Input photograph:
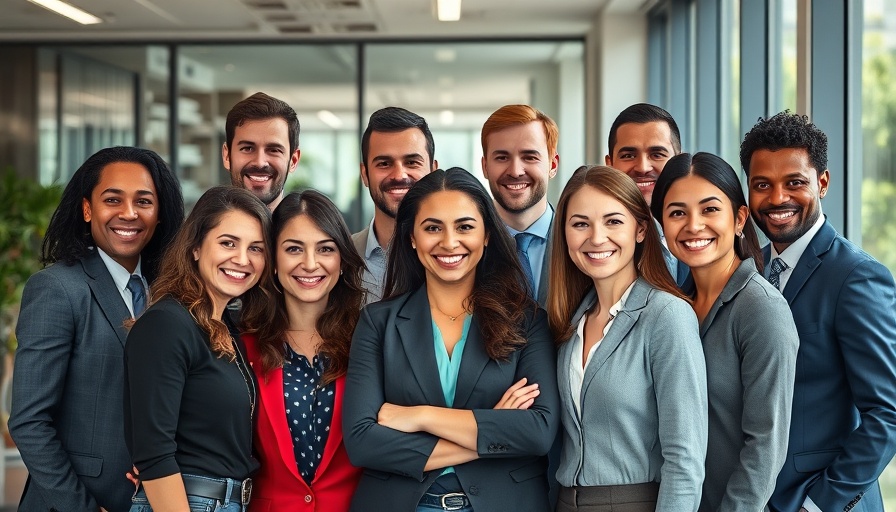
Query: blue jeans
[139,503]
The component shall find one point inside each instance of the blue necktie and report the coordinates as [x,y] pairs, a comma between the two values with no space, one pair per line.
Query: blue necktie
[138,294]
[523,241]
[774,276]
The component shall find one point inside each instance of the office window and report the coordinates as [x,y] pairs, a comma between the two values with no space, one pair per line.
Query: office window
[783,73]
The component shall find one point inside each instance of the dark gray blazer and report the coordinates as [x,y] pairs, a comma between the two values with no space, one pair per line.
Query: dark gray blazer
[644,405]
[67,418]
[393,360]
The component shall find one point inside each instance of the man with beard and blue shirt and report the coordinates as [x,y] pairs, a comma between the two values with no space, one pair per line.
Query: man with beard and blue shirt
[396,150]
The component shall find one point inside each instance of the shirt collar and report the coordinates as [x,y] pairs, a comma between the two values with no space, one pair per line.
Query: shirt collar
[120,275]
[792,254]
[615,308]
[372,243]
[540,227]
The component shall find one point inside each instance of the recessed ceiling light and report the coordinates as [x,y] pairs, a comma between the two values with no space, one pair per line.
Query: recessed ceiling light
[448,10]
[69,11]
[446,117]
[330,119]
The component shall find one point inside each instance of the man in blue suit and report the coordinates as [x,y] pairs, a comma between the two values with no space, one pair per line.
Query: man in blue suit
[843,432]
[103,245]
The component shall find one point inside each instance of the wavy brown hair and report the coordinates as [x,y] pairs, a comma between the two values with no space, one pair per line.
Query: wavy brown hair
[499,298]
[179,276]
[569,284]
[337,323]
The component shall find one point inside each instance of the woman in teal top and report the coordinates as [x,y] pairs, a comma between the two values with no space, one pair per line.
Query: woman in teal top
[465,417]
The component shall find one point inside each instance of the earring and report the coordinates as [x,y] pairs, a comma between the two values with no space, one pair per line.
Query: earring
[413,246]
[340,271]
[740,234]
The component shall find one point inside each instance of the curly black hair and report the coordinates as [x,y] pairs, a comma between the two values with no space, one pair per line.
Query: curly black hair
[786,130]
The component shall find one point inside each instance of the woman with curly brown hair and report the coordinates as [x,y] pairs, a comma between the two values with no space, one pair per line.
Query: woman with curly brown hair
[190,397]
[300,360]
[451,399]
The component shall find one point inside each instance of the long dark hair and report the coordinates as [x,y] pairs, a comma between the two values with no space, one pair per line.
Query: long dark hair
[179,274]
[499,298]
[716,171]
[68,236]
[337,323]
[569,284]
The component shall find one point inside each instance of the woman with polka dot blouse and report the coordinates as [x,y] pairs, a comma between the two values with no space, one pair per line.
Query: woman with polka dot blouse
[301,358]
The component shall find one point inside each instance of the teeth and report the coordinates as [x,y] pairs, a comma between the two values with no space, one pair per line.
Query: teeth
[449,259]
[234,274]
[125,232]
[599,255]
[309,280]
[644,184]
[696,244]
[781,216]
[398,190]
[517,186]
[260,179]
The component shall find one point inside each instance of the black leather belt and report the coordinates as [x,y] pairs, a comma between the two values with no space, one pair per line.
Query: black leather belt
[449,501]
[217,490]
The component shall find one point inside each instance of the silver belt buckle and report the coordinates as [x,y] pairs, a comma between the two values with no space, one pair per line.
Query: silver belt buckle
[246,491]
[459,496]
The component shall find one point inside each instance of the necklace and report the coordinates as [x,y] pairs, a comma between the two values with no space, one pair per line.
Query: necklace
[294,345]
[250,383]
[452,318]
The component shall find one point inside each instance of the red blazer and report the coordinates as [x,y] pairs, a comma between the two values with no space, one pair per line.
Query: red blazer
[278,485]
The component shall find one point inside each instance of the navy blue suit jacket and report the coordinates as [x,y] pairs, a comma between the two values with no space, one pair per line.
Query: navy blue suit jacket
[843,430]
[67,394]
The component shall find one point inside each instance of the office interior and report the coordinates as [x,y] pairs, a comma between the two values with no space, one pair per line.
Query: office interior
[162,74]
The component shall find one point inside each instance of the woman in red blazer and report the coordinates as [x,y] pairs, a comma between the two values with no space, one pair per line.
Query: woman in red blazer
[301,358]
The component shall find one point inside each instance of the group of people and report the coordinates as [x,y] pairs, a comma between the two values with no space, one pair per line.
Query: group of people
[632,347]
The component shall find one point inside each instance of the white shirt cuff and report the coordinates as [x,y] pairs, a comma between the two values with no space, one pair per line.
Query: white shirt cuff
[810,505]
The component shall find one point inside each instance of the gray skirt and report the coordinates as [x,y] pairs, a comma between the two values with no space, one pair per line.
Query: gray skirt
[609,498]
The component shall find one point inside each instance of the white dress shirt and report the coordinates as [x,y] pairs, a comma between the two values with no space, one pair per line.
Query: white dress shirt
[121,276]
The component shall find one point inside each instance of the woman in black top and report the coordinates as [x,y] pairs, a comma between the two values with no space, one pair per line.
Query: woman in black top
[190,397]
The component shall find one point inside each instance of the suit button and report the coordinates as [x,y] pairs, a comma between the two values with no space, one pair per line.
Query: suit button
[307,498]
[474,490]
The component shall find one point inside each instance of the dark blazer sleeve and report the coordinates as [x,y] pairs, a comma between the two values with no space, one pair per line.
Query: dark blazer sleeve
[46,333]
[369,444]
[514,433]
[865,325]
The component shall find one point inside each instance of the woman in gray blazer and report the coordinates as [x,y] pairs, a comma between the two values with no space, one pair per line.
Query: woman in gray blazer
[749,338]
[450,396]
[631,374]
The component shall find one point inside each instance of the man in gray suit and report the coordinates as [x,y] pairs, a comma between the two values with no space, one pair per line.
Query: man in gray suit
[396,150]
[103,245]
[642,139]
[519,157]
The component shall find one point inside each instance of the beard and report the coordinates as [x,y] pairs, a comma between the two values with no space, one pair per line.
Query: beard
[788,235]
[275,184]
[537,191]
[381,201]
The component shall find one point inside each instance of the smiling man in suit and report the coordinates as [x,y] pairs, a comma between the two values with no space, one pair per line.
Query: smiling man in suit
[103,245]
[843,431]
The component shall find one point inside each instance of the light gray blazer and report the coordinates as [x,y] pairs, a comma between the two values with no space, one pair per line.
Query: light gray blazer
[644,405]
[750,343]
[67,417]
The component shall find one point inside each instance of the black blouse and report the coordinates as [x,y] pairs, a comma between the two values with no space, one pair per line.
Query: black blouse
[186,409]
[309,410]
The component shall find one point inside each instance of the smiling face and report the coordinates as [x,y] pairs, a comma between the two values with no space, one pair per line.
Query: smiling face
[449,237]
[641,151]
[700,223]
[785,194]
[259,159]
[601,235]
[518,165]
[231,258]
[396,161]
[123,212]
[308,261]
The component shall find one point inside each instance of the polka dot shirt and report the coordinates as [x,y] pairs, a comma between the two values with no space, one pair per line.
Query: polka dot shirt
[309,410]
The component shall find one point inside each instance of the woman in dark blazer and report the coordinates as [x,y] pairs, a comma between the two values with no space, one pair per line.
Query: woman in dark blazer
[190,397]
[631,374]
[118,212]
[749,339]
[451,395]
[300,360]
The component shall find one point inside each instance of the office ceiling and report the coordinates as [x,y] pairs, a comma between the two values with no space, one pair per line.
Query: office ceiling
[262,20]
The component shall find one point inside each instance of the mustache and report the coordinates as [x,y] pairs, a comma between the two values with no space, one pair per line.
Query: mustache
[781,208]
[254,169]
[386,185]
[506,180]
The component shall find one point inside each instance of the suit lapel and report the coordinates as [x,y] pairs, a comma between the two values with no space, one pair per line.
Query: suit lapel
[275,408]
[414,324]
[334,440]
[622,324]
[809,261]
[565,358]
[106,293]
[472,363]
